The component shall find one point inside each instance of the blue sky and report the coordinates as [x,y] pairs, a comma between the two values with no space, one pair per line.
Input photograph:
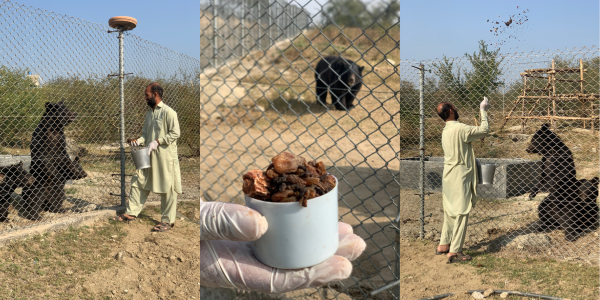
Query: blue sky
[173,24]
[433,28]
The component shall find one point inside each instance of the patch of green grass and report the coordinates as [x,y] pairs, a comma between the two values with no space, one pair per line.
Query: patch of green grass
[558,279]
[48,266]
[71,191]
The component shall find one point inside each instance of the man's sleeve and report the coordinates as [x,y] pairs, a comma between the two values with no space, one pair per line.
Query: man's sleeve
[472,133]
[141,139]
[172,129]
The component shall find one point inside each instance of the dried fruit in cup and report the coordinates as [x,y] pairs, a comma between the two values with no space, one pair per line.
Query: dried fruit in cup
[289,178]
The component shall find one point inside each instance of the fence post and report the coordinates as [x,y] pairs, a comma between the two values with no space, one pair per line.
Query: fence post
[422,147]
[122,113]
[215,40]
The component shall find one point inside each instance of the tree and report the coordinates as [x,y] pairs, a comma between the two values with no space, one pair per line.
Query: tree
[484,78]
[387,13]
[449,81]
[348,13]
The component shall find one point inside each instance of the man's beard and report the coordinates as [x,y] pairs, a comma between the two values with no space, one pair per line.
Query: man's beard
[151,102]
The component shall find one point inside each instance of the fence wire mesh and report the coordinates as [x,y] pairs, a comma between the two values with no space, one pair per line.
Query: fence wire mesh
[60,123]
[260,98]
[543,140]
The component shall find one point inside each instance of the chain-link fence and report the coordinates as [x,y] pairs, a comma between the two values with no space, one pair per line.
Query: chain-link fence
[263,99]
[60,122]
[543,140]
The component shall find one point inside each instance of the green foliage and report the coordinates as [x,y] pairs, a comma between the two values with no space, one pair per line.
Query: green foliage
[482,79]
[355,13]
[96,102]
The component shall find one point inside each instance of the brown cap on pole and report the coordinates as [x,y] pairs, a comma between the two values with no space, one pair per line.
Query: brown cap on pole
[127,23]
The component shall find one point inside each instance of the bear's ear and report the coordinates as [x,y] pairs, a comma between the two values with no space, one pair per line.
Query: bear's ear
[48,105]
[76,159]
[361,68]
[20,163]
[546,126]
[595,181]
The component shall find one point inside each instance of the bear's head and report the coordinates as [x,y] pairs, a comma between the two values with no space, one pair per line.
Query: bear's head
[58,115]
[15,176]
[544,142]
[588,190]
[349,71]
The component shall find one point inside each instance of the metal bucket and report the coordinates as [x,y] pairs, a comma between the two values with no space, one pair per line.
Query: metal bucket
[485,173]
[141,159]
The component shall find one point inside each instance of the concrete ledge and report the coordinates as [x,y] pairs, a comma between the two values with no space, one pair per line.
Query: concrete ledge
[59,225]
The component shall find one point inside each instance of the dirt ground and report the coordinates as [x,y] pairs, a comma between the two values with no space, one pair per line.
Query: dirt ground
[108,260]
[424,274]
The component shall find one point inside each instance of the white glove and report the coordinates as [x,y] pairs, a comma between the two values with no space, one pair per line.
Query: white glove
[135,143]
[485,105]
[226,259]
[152,146]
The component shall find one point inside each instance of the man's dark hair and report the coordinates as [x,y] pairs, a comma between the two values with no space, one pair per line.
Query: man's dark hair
[156,88]
[444,112]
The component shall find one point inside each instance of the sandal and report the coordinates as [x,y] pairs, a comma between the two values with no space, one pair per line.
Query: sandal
[162,227]
[458,258]
[440,253]
[123,218]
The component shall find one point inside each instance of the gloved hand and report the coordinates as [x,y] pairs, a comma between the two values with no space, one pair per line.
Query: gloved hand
[226,259]
[133,142]
[152,146]
[485,105]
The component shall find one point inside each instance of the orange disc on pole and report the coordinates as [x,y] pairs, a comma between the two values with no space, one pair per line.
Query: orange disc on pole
[127,23]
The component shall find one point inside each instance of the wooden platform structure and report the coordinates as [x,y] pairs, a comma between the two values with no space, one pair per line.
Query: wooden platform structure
[548,94]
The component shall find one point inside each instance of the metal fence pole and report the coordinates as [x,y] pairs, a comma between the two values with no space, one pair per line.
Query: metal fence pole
[422,147]
[122,113]
[215,28]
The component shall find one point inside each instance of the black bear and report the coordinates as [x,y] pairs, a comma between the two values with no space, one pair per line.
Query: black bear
[65,170]
[564,207]
[49,158]
[342,77]
[13,177]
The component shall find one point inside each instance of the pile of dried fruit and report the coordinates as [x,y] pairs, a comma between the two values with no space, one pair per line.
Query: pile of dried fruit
[289,178]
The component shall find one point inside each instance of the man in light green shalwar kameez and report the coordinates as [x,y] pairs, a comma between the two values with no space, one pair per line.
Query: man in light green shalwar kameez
[160,133]
[459,180]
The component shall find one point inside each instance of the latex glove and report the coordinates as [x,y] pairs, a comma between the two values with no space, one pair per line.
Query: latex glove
[152,146]
[226,259]
[485,105]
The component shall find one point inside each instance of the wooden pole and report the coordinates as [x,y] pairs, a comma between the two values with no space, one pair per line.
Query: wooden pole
[553,101]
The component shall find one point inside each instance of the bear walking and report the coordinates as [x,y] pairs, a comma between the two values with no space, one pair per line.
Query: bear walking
[341,77]
[51,165]
[564,207]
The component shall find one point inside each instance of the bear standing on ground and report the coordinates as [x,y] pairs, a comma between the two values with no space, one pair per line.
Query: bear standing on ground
[342,77]
[50,163]
[563,208]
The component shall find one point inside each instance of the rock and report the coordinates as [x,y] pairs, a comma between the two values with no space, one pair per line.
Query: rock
[518,137]
[488,292]
[68,272]
[532,241]
[260,107]
[119,256]
[204,117]
[180,259]
[125,291]
[114,236]
[477,295]
[216,117]
[504,295]
[430,235]
[391,62]
[172,258]
[594,150]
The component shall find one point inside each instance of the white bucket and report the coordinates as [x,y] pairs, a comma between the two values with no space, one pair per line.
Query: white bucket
[140,157]
[297,237]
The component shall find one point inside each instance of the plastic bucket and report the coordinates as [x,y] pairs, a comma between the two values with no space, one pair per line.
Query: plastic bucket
[297,237]
[140,157]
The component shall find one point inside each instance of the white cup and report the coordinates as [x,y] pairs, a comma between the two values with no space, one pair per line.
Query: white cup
[297,237]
